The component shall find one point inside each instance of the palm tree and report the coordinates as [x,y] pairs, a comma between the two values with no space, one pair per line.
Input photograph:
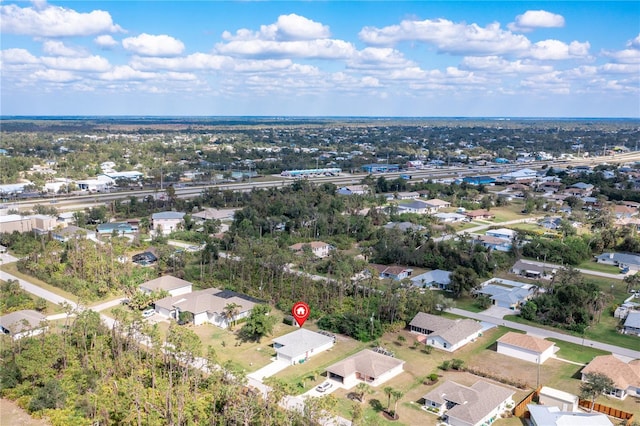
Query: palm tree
[363,389]
[396,396]
[388,391]
[230,312]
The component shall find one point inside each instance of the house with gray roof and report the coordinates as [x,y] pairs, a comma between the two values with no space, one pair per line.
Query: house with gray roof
[366,366]
[437,279]
[207,306]
[450,217]
[444,333]
[172,285]
[298,346]
[632,323]
[532,270]
[622,260]
[541,415]
[167,222]
[416,206]
[459,405]
[23,323]
[506,293]
[404,226]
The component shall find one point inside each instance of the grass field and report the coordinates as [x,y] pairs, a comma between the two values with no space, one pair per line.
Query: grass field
[599,267]
[576,353]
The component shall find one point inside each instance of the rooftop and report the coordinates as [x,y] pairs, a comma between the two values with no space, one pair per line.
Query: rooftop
[526,341]
[301,341]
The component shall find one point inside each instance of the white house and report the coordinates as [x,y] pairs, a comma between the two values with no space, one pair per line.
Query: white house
[625,376]
[23,323]
[506,293]
[366,366]
[167,222]
[564,401]
[437,278]
[525,347]
[632,324]
[450,217]
[298,346]
[502,233]
[531,270]
[172,285]
[444,333]
[207,306]
[416,206]
[542,415]
[353,190]
[436,204]
[459,405]
[318,248]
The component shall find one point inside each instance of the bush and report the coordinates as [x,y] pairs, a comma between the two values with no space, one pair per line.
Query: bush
[446,365]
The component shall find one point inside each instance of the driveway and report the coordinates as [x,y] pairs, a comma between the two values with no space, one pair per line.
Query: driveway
[269,370]
[498,312]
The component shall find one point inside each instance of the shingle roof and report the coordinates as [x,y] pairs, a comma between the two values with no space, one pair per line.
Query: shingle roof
[167,215]
[365,362]
[206,300]
[472,403]
[165,282]
[622,374]
[453,331]
[19,321]
[300,341]
[436,276]
[525,341]
[633,319]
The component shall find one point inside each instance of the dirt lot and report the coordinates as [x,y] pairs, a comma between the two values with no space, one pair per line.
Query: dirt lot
[11,414]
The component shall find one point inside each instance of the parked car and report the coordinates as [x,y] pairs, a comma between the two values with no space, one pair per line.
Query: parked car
[324,387]
[148,313]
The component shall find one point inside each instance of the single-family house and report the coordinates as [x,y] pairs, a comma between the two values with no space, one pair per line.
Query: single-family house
[525,347]
[624,212]
[542,415]
[586,187]
[412,195]
[353,190]
[492,243]
[119,228]
[65,234]
[167,222]
[298,346]
[444,333]
[213,214]
[550,186]
[366,366]
[532,270]
[551,397]
[416,206]
[437,279]
[506,293]
[631,204]
[396,273]
[318,248]
[450,217]
[632,323]
[404,226]
[625,376]
[66,218]
[622,260]
[502,233]
[479,180]
[207,306]
[551,223]
[623,310]
[172,285]
[479,214]
[23,323]
[436,204]
[459,405]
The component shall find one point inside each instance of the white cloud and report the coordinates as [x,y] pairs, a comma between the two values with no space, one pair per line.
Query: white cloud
[54,21]
[449,37]
[321,48]
[557,50]
[153,45]
[633,69]
[208,62]
[379,58]
[89,63]
[533,19]
[370,82]
[105,41]
[626,56]
[58,48]
[17,56]
[125,72]
[498,65]
[635,43]
[55,76]
[287,28]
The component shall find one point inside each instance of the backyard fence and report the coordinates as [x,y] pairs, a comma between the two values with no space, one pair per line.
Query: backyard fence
[609,411]
[520,410]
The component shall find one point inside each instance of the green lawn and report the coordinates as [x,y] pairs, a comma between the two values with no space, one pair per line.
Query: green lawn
[599,267]
[576,353]
[467,303]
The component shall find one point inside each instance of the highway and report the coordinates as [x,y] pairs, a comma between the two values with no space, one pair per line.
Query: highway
[64,203]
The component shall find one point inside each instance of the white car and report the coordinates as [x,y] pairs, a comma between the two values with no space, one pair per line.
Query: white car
[148,313]
[324,387]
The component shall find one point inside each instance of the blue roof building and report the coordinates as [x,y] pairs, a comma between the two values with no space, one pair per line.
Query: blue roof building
[478,180]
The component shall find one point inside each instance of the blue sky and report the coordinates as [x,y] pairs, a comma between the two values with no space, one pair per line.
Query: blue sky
[413,58]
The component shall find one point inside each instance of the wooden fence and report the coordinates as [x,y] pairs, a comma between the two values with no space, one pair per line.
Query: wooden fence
[520,410]
[609,411]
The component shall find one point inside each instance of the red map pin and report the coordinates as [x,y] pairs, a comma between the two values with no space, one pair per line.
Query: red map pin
[300,312]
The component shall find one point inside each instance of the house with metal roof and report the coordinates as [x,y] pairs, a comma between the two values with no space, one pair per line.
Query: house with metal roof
[532,270]
[404,226]
[622,260]
[416,206]
[632,324]
[366,366]
[167,222]
[525,347]
[476,405]
[541,415]
[300,345]
[506,293]
[444,333]
[479,180]
[23,323]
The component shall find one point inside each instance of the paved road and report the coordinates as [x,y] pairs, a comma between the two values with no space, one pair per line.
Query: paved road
[584,271]
[38,291]
[487,226]
[627,353]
